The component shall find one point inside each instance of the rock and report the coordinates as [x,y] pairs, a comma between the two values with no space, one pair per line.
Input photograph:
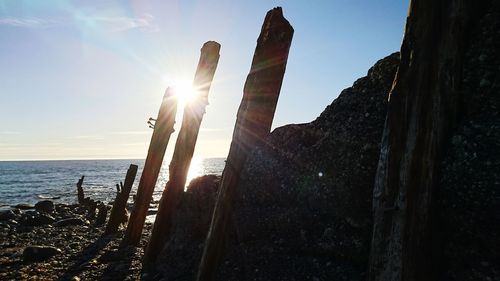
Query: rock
[39,253]
[24,206]
[45,206]
[70,221]
[7,215]
[39,220]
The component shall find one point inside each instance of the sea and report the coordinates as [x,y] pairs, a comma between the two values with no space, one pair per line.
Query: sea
[32,181]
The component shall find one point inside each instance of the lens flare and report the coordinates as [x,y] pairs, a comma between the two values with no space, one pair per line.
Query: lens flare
[183,89]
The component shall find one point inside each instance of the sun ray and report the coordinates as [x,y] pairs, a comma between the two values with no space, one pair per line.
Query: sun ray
[183,89]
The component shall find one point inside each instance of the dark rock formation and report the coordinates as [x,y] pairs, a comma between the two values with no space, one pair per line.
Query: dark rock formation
[304,202]
[305,198]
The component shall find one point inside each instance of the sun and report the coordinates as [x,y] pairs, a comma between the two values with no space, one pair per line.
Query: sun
[183,90]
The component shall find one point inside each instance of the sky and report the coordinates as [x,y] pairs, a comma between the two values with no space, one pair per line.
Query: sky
[79,79]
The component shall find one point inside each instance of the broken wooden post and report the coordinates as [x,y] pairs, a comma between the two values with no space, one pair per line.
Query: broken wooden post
[424,104]
[91,208]
[79,189]
[184,149]
[102,212]
[163,128]
[253,124]
[118,211]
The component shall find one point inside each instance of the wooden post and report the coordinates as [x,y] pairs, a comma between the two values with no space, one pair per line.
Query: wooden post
[253,124]
[101,214]
[424,104]
[163,128]
[119,206]
[184,149]
[91,208]
[79,189]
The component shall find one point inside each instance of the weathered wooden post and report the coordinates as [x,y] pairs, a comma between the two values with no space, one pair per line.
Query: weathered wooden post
[79,189]
[102,212]
[184,149]
[424,104]
[163,128]
[119,206]
[253,124]
[91,208]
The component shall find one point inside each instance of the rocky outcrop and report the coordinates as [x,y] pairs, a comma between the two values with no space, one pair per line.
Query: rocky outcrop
[305,197]
[304,201]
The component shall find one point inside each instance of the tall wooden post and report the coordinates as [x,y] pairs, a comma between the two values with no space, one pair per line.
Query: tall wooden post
[118,211]
[253,124]
[79,189]
[424,104]
[184,149]
[163,128]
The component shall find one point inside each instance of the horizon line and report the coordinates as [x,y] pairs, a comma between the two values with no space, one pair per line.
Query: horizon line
[87,159]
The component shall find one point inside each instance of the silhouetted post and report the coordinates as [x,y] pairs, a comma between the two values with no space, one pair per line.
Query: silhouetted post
[119,206]
[163,128]
[91,208]
[101,214]
[424,104]
[79,189]
[184,149]
[253,124]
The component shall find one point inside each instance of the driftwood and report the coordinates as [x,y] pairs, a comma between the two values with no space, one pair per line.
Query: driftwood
[184,149]
[253,124]
[118,211]
[424,104]
[163,128]
[79,189]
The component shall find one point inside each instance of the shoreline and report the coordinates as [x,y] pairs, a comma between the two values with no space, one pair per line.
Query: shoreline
[36,243]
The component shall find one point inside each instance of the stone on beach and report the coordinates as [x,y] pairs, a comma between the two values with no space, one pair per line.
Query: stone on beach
[39,220]
[39,253]
[7,215]
[70,221]
[24,206]
[45,206]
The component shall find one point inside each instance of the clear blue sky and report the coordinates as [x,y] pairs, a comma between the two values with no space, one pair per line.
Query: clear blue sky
[79,79]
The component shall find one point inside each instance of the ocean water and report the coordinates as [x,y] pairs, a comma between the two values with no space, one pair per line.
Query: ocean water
[31,181]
